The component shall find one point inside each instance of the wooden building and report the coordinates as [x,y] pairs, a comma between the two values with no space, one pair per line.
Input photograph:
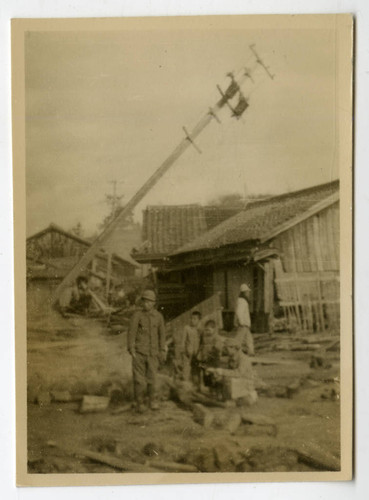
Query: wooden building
[51,254]
[165,229]
[285,247]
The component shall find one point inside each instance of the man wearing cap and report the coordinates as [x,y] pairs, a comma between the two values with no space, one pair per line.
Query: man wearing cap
[243,320]
[146,344]
[238,378]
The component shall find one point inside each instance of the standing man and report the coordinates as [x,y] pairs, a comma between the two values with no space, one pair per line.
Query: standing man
[243,320]
[146,344]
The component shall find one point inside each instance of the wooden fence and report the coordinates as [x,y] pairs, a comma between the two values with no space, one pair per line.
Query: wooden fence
[310,300]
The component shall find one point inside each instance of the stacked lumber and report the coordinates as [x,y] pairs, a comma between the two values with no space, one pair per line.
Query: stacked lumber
[273,343]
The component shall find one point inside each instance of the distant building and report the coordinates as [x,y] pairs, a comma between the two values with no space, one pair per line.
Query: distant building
[285,247]
[52,253]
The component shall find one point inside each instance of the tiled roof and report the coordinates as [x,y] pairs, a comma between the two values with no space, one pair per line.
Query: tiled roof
[260,218]
[168,227]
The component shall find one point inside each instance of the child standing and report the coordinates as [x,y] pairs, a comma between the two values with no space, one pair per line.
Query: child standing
[191,344]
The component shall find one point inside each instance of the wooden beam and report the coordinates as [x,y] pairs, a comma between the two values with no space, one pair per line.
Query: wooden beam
[116,463]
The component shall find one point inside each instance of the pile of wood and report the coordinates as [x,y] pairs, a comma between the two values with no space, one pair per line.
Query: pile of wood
[123,464]
[281,342]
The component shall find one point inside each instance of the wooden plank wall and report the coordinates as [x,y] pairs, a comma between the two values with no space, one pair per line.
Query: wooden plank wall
[307,278]
[312,245]
[227,282]
[54,244]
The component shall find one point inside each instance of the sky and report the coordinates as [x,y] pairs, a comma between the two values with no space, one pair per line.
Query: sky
[110,105]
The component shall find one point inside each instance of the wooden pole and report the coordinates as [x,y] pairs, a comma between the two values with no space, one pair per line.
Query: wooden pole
[137,197]
[187,142]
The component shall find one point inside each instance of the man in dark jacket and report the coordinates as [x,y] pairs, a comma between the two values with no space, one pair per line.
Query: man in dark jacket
[146,344]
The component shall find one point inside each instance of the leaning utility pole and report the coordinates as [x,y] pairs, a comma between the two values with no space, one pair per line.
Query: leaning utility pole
[233,89]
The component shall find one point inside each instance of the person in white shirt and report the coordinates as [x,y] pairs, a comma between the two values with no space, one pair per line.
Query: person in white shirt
[243,320]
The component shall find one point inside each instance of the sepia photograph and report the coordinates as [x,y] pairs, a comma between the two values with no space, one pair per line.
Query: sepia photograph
[182,202]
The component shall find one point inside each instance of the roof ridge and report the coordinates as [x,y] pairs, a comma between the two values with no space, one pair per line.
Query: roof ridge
[56,227]
[52,226]
[238,219]
[292,193]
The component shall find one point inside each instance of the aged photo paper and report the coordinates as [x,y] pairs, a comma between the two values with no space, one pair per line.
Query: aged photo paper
[183,249]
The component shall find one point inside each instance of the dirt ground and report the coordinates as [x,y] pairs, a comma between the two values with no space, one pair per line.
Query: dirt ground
[83,357]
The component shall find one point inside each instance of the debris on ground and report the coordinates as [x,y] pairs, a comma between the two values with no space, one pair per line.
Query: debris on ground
[224,458]
[256,419]
[192,430]
[330,394]
[61,396]
[202,458]
[43,398]
[319,361]
[202,415]
[94,404]
[293,388]
[233,422]
[317,457]
[122,409]
[270,459]
[151,449]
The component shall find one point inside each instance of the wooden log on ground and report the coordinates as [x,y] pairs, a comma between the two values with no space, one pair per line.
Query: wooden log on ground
[260,420]
[283,347]
[313,338]
[233,422]
[61,396]
[116,463]
[260,360]
[315,456]
[332,345]
[171,466]
[224,458]
[306,347]
[256,419]
[122,409]
[202,415]
[92,404]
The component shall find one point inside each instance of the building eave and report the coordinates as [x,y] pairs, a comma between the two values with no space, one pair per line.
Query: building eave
[215,256]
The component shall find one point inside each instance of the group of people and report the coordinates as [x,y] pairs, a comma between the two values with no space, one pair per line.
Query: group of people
[201,355]
[76,299]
